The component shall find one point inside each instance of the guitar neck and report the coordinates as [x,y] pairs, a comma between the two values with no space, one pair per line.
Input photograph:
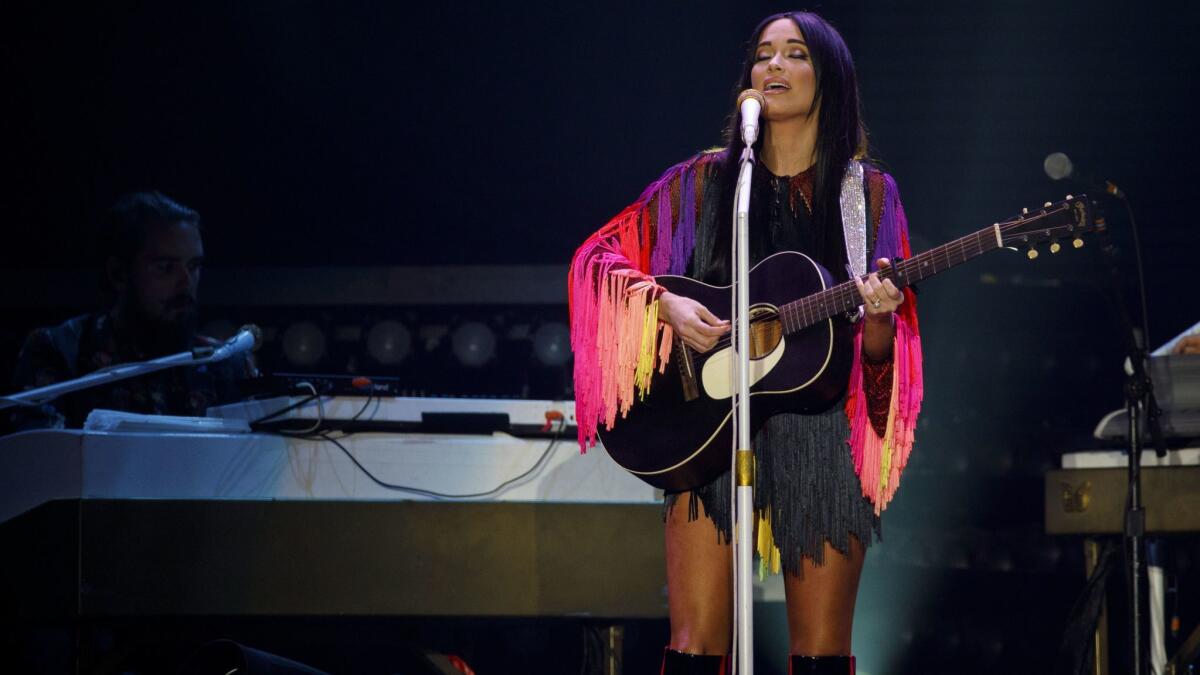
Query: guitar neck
[802,313]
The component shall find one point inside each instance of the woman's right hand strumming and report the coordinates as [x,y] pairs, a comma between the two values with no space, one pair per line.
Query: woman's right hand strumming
[691,321]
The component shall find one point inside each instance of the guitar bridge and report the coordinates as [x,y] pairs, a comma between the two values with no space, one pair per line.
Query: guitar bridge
[687,371]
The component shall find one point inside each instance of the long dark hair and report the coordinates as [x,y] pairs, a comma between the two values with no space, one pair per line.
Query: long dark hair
[841,135]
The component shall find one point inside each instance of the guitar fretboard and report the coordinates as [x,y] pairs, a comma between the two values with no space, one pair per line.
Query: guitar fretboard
[844,297]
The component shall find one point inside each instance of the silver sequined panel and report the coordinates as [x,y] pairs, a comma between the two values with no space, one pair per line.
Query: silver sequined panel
[854,218]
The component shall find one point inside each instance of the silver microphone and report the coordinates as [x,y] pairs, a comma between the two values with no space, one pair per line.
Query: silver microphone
[750,103]
[247,339]
[1058,166]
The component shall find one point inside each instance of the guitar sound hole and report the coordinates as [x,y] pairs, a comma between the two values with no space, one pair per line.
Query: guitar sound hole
[765,331]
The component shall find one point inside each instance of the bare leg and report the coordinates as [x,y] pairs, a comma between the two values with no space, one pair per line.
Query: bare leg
[699,583]
[820,606]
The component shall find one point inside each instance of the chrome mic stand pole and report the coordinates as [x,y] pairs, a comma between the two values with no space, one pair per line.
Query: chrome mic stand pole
[743,455]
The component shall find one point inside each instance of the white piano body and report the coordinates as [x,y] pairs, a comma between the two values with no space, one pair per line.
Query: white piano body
[180,458]
[141,514]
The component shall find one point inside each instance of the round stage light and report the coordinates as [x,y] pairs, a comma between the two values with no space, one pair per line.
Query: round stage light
[389,342]
[303,343]
[474,344]
[552,344]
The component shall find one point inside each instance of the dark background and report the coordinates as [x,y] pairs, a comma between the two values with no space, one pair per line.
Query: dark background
[314,135]
[309,134]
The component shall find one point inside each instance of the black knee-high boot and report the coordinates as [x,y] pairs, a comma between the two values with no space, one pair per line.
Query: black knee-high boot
[821,665]
[681,663]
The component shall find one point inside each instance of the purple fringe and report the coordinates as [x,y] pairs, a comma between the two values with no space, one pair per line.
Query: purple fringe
[673,239]
[660,259]
[892,225]
[685,229]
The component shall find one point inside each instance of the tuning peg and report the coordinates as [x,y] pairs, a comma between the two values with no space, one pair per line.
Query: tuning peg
[1070,197]
[1032,253]
[1047,205]
[1055,247]
[1024,211]
[1078,242]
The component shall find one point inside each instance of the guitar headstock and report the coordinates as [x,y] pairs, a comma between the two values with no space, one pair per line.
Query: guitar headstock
[1055,222]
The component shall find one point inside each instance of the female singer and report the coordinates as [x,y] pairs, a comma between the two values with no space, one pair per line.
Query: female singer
[822,479]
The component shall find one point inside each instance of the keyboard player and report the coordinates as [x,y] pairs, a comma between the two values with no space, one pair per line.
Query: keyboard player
[151,255]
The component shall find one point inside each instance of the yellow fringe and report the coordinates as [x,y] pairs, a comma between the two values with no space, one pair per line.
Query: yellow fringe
[768,554]
[889,434]
[647,350]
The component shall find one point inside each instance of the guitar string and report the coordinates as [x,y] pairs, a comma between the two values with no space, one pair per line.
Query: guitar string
[845,295]
[840,295]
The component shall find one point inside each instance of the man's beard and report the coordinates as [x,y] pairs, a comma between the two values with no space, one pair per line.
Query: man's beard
[157,336]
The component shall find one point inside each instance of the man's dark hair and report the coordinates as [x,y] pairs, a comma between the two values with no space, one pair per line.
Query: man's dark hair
[126,226]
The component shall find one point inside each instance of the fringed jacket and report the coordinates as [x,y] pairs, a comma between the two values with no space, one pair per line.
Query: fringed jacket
[618,340]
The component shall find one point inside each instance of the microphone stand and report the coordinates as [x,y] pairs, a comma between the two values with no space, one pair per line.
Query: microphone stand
[743,462]
[1140,404]
[122,371]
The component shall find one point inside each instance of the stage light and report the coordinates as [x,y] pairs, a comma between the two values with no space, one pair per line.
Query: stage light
[389,342]
[474,344]
[303,343]
[552,344]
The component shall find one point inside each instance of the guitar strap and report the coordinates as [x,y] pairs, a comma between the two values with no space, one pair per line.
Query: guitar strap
[854,219]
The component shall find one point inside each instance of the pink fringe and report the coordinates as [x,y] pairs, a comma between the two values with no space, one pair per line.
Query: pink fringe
[610,289]
[871,452]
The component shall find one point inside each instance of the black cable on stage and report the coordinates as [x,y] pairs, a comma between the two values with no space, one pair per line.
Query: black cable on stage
[443,495]
[591,662]
[363,409]
[303,402]
[1137,254]
[325,436]
[256,424]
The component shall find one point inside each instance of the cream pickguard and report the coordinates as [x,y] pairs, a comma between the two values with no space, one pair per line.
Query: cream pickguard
[717,374]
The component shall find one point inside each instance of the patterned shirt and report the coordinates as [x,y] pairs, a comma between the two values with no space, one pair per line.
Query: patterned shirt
[90,342]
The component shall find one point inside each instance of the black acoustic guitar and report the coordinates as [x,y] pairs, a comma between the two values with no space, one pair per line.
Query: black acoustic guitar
[678,436]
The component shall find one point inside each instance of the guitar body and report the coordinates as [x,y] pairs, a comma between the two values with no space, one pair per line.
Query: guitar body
[678,437]
[675,443]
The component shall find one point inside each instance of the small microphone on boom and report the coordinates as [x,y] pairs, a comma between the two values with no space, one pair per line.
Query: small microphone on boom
[1058,167]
